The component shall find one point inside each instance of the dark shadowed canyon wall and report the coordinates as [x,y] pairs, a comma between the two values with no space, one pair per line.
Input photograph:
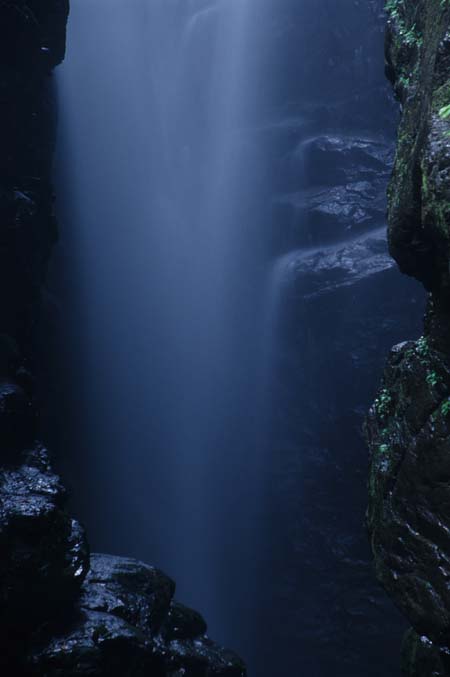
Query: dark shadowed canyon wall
[408,426]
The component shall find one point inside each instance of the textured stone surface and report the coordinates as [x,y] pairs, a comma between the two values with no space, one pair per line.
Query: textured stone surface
[345,193]
[96,643]
[138,593]
[417,49]
[410,497]
[44,554]
[409,424]
[128,625]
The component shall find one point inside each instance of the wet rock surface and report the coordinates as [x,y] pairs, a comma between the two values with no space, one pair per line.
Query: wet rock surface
[408,430]
[127,624]
[417,47]
[408,426]
[328,269]
[138,593]
[345,196]
[44,551]
[96,644]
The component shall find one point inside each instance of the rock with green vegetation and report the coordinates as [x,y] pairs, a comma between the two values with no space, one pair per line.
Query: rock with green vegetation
[408,426]
[418,64]
[409,484]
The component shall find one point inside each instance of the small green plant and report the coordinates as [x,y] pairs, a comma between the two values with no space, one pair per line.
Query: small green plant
[392,6]
[433,378]
[445,407]
[383,449]
[422,347]
[404,81]
[409,354]
[444,112]
[410,35]
[383,403]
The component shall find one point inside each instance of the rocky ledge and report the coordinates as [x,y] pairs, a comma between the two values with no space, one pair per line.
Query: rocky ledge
[62,611]
[127,623]
[65,613]
[409,424]
[345,197]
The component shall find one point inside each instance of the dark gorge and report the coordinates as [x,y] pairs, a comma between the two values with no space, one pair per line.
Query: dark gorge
[199,298]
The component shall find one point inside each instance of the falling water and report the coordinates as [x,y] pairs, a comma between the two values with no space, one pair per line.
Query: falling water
[164,206]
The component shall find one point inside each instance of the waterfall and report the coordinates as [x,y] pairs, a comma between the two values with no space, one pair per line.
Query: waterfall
[164,209]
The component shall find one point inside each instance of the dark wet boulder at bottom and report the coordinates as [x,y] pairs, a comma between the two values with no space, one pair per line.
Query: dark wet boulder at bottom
[129,626]
[201,657]
[43,552]
[183,623]
[131,590]
[99,644]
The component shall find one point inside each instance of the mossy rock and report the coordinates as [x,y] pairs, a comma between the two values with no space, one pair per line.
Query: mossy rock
[409,484]
[418,64]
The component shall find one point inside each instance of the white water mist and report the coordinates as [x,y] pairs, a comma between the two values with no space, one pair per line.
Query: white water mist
[165,224]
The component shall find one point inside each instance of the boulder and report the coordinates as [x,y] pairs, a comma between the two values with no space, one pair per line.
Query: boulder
[127,625]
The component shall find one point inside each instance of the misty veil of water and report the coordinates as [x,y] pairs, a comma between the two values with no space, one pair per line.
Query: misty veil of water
[165,221]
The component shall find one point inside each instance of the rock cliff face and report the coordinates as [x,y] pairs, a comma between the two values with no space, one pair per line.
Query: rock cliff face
[62,611]
[409,423]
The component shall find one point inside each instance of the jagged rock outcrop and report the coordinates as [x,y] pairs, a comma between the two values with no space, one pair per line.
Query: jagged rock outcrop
[62,612]
[345,196]
[409,423]
[44,555]
[128,624]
